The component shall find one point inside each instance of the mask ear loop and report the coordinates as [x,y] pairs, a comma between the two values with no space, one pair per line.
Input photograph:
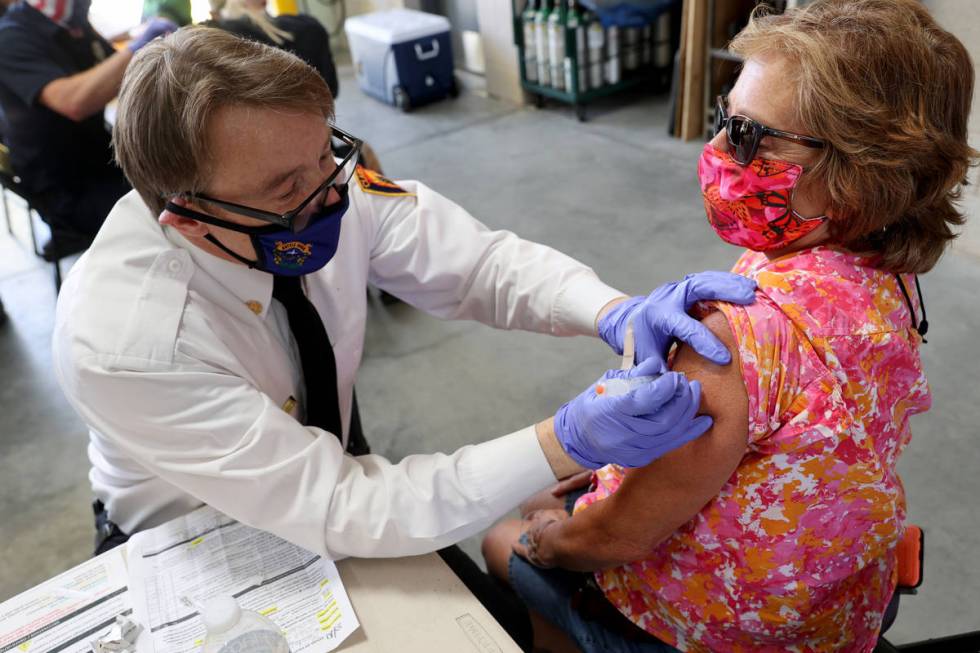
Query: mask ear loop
[253,265]
[200,217]
[922,327]
[822,217]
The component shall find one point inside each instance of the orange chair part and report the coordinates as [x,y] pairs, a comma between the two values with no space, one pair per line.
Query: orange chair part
[910,555]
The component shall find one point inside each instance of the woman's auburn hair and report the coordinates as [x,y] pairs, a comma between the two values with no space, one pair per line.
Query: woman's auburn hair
[890,92]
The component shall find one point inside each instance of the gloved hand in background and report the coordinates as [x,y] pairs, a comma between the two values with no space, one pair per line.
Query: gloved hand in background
[661,317]
[150,30]
[635,428]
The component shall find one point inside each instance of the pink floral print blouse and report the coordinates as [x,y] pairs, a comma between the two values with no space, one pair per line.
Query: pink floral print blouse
[797,551]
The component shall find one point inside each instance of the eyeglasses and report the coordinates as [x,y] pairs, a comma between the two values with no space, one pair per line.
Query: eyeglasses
[294,220]
[745,134]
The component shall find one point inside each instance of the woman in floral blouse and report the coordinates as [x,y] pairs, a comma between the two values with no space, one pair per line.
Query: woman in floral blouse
[837,158]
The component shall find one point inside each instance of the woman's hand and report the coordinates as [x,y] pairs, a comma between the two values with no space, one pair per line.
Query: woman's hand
[554,497]
[532,545]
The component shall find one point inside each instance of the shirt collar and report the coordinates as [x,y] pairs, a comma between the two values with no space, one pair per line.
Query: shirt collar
[252,287]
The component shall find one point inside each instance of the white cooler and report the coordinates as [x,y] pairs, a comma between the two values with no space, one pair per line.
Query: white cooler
[402,57]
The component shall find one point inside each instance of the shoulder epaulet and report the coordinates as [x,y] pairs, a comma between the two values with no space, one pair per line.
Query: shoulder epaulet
[377,184]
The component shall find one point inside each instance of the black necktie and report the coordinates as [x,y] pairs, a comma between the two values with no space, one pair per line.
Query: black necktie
[315,354]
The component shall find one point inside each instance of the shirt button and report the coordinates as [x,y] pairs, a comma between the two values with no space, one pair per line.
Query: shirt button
[254,306]
[174,266]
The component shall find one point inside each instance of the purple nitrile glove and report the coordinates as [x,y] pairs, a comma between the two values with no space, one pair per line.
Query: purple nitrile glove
[635,428]
[151,30]
[662,316]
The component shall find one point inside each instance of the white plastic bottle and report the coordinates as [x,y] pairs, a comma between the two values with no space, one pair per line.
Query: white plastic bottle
[233,630]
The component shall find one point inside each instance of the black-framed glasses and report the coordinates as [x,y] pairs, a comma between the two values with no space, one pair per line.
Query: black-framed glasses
[294,219]
[745,134]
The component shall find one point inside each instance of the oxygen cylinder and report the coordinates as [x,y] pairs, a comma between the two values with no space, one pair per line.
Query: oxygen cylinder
[530,42]
[646,45]
[662,53]
[631,48]
[541,42]
[613,63]
[556,45]
[574,23]
[596,39]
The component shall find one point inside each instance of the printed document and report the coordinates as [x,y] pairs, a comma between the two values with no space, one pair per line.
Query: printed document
[64,614]
[205,554]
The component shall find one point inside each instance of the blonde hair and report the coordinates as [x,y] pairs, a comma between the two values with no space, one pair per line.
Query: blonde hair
[233,9]
[890,92]
[174,86]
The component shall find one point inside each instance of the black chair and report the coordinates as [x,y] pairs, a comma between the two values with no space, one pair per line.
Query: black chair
[911,556]
[63,243]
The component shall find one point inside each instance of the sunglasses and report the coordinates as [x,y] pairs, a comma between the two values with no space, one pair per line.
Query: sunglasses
[745,134]
[294,220]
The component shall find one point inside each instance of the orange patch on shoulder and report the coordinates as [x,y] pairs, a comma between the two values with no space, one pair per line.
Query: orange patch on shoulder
[377,184]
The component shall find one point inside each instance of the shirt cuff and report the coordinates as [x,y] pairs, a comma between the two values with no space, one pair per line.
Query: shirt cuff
[508,470]
[578,304]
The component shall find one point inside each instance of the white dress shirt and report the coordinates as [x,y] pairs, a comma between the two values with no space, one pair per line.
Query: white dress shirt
[184,369]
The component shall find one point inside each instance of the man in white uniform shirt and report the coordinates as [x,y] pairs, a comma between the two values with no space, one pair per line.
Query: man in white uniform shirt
[192,337]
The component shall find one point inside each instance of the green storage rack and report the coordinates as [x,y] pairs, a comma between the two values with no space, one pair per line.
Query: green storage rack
[651,75]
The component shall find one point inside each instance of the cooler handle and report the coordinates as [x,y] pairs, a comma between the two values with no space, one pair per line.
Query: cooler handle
[431,54]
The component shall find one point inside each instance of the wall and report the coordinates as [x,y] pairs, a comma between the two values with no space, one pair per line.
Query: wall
[499,51]
[328,14]
[962,18]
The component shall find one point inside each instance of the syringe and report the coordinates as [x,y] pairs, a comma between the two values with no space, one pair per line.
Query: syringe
[619,387]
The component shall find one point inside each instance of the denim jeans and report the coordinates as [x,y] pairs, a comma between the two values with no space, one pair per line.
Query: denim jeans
[550,593]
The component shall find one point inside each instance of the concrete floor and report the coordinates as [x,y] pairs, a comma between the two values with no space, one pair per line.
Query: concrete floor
[616,193]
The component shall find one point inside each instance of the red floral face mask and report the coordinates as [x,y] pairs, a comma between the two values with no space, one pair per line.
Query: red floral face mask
[750,206]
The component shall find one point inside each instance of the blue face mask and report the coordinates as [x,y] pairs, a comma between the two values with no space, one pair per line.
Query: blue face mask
[282,251]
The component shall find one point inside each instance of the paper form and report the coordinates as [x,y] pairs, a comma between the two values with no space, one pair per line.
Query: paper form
[64,614]
[205,554]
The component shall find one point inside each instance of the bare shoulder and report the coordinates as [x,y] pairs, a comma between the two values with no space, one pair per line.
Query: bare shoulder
[654,501]
[702,465]
[723,394]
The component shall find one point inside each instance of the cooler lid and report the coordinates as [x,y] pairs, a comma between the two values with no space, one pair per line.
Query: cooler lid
[396,25]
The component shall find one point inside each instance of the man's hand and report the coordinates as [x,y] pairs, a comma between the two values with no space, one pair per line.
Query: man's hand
[151,30]
[572,483]
[662,317]
[634,428]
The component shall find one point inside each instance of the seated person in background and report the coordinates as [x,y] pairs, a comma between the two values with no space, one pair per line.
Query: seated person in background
[302,35]
[56,76]
[837,158]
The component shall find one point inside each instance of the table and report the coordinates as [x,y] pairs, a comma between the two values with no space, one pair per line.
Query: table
[404,605]
[417,604]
